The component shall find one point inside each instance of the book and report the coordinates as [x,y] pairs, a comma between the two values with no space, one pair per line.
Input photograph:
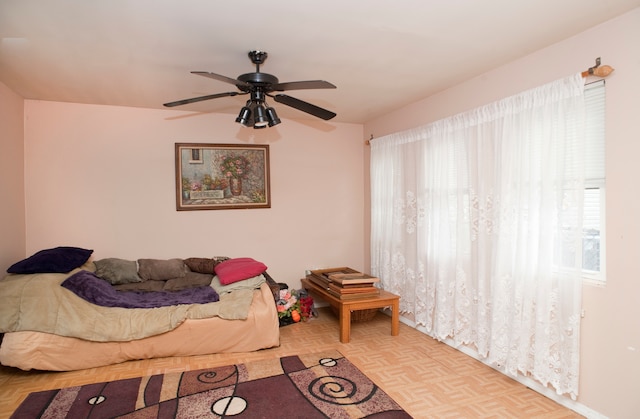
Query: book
[328,274]
[319,281]
[352,290]
[331,271]
[347,286]
[347,275]
[353,296]
[353,278]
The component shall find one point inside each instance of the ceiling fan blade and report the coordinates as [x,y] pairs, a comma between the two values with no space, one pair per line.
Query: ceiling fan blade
[300,85]
[304,106]
[199,99]
[221,78]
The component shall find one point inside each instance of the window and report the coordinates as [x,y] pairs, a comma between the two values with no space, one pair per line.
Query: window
[593,244]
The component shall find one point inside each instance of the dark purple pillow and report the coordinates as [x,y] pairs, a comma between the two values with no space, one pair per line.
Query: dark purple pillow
[61,259]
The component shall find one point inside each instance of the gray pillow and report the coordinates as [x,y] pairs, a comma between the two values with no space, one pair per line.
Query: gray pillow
[117,271]
[161,269]
[145,286]
[204,265]
[190,280]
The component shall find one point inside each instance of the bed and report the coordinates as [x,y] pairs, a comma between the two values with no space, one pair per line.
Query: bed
[50,325]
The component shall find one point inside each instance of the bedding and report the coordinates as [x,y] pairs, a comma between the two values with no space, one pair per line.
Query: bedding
[44,315]
[89,287]
[38,303]
[45,351]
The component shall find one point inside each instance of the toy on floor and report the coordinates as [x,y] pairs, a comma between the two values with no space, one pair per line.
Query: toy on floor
[307,309]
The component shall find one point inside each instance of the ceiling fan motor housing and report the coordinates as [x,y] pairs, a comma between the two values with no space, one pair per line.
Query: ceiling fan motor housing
[260,79]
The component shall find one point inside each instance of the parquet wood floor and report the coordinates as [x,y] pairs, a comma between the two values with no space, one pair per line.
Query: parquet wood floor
[427,378]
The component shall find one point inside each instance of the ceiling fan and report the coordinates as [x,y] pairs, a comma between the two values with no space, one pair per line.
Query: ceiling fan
[257,113]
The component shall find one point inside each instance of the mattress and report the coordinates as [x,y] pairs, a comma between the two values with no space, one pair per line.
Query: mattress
[44,351]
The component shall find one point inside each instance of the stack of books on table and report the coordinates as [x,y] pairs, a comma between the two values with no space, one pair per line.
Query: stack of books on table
[345,283]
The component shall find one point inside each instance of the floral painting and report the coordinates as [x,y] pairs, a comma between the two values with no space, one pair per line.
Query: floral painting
[222,176]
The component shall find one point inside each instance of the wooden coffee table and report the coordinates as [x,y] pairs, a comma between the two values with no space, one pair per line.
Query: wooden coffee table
[385,299]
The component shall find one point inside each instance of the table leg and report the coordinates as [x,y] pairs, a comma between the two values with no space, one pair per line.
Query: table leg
[395,318]
[345,323]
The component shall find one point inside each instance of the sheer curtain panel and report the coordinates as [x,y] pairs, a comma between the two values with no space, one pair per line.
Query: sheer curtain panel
[477,225]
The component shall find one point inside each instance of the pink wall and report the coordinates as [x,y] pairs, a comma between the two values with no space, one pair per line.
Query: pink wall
[12,222]
[103,177]
[610,367]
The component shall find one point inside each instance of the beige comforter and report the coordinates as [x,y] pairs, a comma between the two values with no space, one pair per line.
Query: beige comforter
[38,303]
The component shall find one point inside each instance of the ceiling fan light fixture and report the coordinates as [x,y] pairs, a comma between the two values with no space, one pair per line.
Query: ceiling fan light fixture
[260,119]
[272,116]
[244,118]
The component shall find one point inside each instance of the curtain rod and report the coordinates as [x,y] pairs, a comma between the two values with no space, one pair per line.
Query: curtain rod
[598,71]
[368,142]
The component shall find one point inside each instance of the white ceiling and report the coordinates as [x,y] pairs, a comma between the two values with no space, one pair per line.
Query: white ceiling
[380,54]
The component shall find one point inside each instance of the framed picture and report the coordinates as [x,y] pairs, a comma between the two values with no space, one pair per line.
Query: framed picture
[222,176]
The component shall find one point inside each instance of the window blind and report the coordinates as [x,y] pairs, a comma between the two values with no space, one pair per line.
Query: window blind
[594,136]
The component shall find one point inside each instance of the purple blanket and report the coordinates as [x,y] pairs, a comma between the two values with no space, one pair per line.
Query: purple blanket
[93,289]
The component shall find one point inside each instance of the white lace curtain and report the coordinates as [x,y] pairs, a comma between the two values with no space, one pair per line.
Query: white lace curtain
[476,224]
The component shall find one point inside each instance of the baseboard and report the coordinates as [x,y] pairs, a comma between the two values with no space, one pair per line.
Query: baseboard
[530,383]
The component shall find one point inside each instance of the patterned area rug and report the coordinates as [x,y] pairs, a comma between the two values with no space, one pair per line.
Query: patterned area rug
[317,385]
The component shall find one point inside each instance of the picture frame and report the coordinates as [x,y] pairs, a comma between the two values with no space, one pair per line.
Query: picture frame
[222,176]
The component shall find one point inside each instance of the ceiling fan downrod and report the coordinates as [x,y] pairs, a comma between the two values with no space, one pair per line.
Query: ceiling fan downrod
[258,57]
